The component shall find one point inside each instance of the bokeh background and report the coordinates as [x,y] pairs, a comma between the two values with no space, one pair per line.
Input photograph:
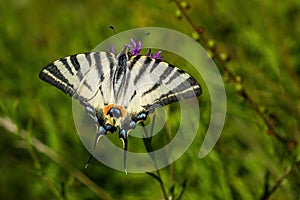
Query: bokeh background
[256,45]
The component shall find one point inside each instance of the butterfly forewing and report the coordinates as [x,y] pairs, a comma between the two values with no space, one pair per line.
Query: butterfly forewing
[88,70]
[153,82]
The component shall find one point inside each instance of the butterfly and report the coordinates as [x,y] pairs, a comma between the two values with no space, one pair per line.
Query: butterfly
[119,91]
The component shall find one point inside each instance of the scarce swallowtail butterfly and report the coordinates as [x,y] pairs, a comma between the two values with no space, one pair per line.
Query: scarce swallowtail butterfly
[120,90]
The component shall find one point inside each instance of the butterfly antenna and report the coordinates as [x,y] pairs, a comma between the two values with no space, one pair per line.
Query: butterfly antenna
[115,32]
[113,29]
[143,37]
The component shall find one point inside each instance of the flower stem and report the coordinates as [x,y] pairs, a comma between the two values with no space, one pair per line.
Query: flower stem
[148,144]
[217,56]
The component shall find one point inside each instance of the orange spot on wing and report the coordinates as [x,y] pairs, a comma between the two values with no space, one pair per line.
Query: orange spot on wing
[108,107]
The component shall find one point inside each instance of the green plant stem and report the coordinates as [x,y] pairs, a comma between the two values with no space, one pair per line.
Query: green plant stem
[217,56]
[169,137]
[268,192]
[182,190]
[148,144]
[7,123]
[266,118]
[171,166]
[38,167]
[161,183]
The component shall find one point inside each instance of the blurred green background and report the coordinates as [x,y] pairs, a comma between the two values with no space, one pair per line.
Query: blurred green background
[260,37]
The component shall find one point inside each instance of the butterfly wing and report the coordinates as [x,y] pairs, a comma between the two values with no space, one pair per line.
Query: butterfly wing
[93,79]
[82,75]
[152,83]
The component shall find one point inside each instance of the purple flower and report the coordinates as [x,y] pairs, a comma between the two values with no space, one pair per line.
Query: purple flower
[155,56]
[136,48]
[112,49]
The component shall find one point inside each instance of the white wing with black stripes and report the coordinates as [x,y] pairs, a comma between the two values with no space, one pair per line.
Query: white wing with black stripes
[119,90]
[70,72]
[152,82]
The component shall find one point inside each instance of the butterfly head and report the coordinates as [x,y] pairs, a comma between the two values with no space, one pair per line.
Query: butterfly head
[124,56]
[133,49]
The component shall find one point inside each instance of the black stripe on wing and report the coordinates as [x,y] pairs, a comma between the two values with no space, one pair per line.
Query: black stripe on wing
[180,91]
[187,88]
[143,69]
[99,67]
[67,73]
[51,74]
[66,65]
[75,62]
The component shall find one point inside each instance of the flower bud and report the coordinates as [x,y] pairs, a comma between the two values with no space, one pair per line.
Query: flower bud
[178,14]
